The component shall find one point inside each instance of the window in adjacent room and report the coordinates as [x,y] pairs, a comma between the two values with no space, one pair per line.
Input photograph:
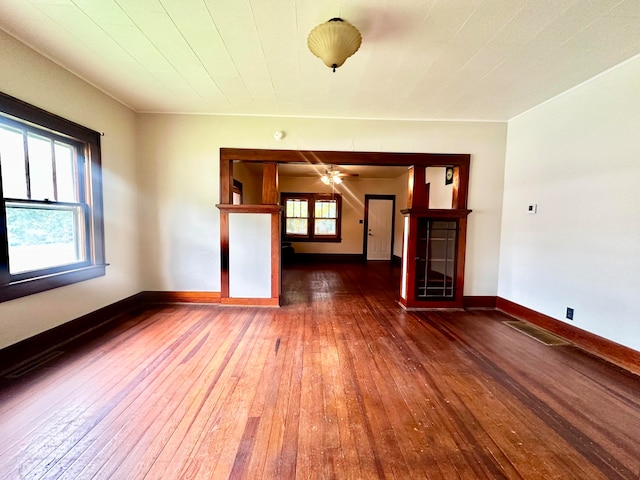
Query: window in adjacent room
[51,231]
[312,217]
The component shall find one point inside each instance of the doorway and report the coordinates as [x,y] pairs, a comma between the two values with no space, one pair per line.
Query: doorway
[270,160]
[379,221]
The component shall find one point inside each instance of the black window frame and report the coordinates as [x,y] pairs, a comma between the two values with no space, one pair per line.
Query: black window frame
[15,112]
[311,198]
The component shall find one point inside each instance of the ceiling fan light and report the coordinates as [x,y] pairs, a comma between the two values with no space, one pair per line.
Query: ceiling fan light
[334,41]
[337,180]
[325,179]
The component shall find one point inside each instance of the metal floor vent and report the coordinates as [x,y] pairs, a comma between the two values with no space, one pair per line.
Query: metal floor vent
[31,364]
[536,333]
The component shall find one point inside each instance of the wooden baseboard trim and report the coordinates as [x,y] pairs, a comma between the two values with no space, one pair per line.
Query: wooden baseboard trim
[251,302]
[327,257]
[181,297]
[87,325]
[620,355]
[479,301]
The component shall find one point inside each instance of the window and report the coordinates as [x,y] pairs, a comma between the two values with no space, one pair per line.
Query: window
[312,217]
[51,231]
[237,192]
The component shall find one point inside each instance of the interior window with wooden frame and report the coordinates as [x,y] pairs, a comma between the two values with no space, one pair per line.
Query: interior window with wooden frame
[51,225]
[312,217]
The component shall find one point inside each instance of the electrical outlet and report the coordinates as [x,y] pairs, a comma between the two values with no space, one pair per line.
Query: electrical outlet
[570,313]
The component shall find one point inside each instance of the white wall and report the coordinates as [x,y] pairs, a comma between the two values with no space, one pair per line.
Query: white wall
[440,194]
[250,255]
[578,158]
[251,183]
[32,78]
[180,157]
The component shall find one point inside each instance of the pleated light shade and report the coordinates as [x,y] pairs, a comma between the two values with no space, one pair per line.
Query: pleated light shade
[334,41]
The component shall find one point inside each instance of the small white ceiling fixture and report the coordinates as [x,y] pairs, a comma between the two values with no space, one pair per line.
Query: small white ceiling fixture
[334,41]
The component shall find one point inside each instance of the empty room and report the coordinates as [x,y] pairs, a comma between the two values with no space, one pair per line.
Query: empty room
[281,239]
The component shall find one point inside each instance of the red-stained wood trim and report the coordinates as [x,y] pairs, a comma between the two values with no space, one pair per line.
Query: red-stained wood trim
[270,195]
[417,191]
[460,258]
[251,302]
[226,180]
[329,257]
[343,158]
[620,355]
[181,297]
[249,208]
[461,186]
[436,213]
[479,301]
[411,261]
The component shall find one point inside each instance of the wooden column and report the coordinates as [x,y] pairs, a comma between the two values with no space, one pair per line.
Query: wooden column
[418,194]
[269,183]
[226,180]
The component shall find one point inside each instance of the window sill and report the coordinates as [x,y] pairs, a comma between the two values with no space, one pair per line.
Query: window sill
[49,282]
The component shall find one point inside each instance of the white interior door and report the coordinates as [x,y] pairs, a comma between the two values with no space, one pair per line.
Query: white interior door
[380,229]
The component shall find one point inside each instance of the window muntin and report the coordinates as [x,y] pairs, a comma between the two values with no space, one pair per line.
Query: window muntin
[326,218]
[51,228]
[297,215]
[13,164]
[312,217]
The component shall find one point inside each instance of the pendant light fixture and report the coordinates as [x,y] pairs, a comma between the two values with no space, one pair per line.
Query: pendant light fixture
[334,41]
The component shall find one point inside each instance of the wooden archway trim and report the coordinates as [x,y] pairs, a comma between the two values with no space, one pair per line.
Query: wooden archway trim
[271,158]
[315,157]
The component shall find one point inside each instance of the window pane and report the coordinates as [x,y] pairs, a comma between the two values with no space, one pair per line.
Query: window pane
[297,208]
[40,167]
[325,227]
[325,209]
[14,178]
[43,237]
[297,226]
[65,177]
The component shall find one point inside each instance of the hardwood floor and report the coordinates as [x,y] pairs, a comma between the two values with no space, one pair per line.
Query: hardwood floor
[338,383]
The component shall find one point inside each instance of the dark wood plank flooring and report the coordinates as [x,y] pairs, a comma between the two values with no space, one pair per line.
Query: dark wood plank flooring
[338,383]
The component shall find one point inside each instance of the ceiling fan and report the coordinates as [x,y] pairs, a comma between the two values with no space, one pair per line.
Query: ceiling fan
[334,177]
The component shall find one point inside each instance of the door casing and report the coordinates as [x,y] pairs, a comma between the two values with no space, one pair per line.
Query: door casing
[365,242]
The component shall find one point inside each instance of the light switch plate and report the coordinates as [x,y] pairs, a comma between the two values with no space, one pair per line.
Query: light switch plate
[532,209]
